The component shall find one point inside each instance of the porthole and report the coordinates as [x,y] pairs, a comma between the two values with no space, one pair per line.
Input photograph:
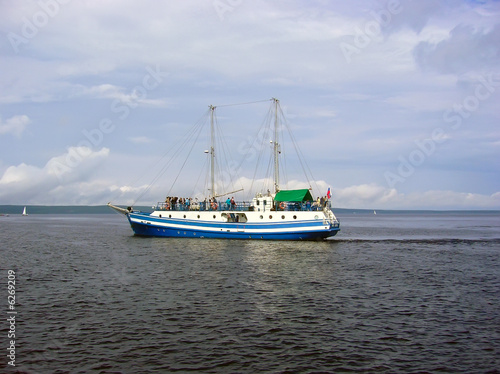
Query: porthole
[198,216]
[261,216]
[184,216]
[270,217]
[214,216]
[160,215]
[169,216]
[282,217]
[316,217]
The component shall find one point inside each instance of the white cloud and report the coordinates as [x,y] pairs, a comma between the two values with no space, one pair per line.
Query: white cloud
[363,196]
[14,125]
[373,196]
[132,97]
[465,50]
[24,183]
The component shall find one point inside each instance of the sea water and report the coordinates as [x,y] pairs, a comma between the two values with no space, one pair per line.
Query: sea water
[396,292]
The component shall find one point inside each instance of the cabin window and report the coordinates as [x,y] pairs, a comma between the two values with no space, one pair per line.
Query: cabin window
[258,202]
[294,217]
[214,216]
[198,216]
[282,217]
[270,217]
[169,216]
[261,216]
[184,216]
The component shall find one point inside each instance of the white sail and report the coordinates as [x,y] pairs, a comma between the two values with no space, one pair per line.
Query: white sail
[24,212]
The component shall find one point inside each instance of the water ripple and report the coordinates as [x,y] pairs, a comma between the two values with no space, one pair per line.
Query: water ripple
[102,301]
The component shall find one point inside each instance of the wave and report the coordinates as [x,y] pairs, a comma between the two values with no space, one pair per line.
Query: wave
[436,241]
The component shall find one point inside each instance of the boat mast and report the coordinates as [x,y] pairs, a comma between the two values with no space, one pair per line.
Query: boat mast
[276,147]
[212,152]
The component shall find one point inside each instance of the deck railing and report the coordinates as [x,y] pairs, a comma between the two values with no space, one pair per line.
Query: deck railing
[241,206]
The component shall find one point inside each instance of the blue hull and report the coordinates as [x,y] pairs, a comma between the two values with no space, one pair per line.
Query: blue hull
[141,229]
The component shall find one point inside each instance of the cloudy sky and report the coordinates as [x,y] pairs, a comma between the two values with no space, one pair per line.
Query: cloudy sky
[394,104]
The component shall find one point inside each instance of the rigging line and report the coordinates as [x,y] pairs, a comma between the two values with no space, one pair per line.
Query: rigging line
[222,154]
[268,180]
[297,150]
[176,151]
[261,134]
[220,157]
[269,173]
[162,171]
[283,164]
[169,150]
[199,176]
[266,126]
[301,158]
[186,159]
[306,166]
[232,172]
[247,103]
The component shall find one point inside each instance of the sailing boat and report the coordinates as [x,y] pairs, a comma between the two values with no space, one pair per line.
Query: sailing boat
[24,212]
[281,215]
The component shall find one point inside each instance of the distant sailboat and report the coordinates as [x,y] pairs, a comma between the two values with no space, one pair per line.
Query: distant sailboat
[24,212]
[374,212]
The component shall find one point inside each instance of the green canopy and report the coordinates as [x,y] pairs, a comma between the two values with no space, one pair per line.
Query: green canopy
[293,195]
